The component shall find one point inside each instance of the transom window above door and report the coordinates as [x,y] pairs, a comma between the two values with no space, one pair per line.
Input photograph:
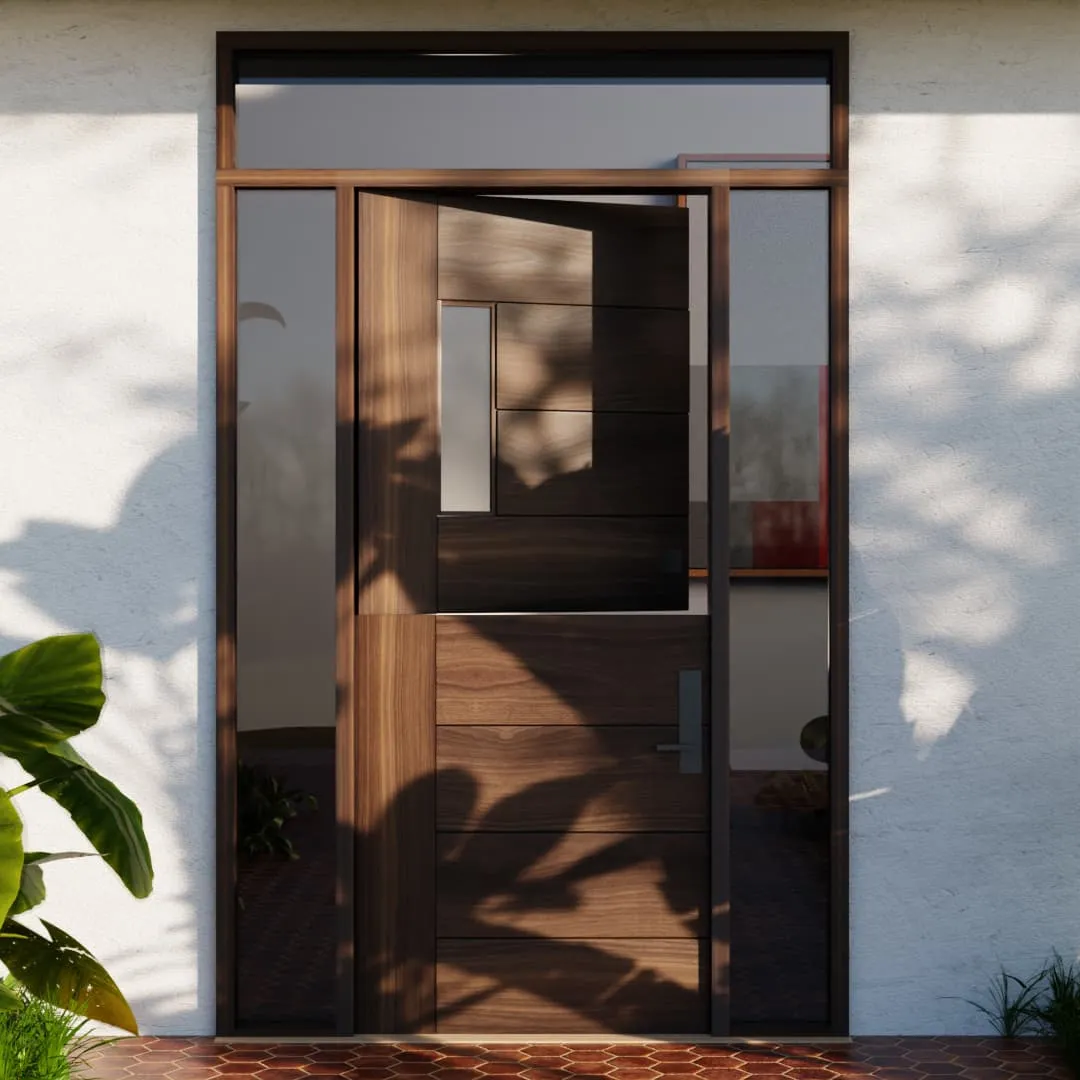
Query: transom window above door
[509,112]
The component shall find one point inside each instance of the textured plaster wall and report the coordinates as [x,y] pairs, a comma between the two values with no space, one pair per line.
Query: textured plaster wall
[965,456]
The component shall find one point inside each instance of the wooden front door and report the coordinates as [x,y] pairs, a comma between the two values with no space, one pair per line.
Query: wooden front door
[532,735]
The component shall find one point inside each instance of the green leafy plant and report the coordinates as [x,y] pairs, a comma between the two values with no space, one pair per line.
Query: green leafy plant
[264,806]
[1057,1010]
[41,1041]
[1012,1003]
[51,691]
[1046,1005]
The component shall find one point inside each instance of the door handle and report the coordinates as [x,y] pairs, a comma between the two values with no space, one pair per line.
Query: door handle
[690,705]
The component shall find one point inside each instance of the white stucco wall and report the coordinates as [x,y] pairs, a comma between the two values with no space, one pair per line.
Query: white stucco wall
[965,458]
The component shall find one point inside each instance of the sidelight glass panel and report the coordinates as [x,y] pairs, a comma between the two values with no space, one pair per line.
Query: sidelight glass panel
[465,407]
[697,208]
[779,378]
[285,598]
[780,868]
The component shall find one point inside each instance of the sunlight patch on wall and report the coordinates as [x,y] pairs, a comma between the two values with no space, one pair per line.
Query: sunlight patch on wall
[1010,309]
[862,796]
[1051,363]
[934,696]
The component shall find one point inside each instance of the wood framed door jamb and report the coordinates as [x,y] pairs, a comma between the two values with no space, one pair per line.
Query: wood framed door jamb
[716,184]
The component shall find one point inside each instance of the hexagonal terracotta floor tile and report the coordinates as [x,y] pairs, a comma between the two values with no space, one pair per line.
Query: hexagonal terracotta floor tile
[864,1059]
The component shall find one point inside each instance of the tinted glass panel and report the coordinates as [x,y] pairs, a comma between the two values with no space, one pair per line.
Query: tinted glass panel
[524,123]
[698,212]
[779,618]
[465,407]
[779,378]
[285,608]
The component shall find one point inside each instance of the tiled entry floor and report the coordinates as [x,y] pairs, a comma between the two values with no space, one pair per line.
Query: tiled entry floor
[881,1059]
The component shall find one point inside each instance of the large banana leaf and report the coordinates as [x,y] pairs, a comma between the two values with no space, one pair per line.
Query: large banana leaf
[64,972]
[107,817]
[49,691]
[32,882]
[31,889]
[11,853]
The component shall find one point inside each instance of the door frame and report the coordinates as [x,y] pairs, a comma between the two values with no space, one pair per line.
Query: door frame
[716,184]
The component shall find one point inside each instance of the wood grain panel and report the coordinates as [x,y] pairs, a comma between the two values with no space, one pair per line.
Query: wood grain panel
[225,608]
[562,564]
[395,856]
[544,252]
[531,181]
[535,985]
[839,578]
[592,463]
[564,669]
[552,356]
[537,779]
[397,432]
[573,885]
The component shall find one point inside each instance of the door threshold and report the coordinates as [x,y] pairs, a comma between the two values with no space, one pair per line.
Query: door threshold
[607,1039]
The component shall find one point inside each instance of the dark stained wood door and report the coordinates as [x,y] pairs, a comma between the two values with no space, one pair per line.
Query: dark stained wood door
[532,738]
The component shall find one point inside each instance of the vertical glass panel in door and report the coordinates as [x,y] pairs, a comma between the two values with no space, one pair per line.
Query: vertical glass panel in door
[779,747]
[465,407]
[285,597]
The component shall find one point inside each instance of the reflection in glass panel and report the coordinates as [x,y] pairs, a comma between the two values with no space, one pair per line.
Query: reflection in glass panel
[779,747]
[779,803]
[779,378]
[775,161]
[525,123]
[697,207]
[285,596]
[465,407]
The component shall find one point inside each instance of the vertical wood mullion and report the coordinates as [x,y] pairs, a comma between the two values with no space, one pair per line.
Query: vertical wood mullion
[839,673]
[839,661]
[225,691]
[719,588]
[226,102]
[839,93]
[345,559]
[493,411]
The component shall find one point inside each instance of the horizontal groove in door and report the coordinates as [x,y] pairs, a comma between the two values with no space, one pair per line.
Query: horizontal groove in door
[592,358]
[565,462]
[580,885]
[534,779]
[564,669]
[562,564]
[613,985]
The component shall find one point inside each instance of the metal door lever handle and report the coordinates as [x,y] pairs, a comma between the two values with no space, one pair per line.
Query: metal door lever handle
[689,746]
